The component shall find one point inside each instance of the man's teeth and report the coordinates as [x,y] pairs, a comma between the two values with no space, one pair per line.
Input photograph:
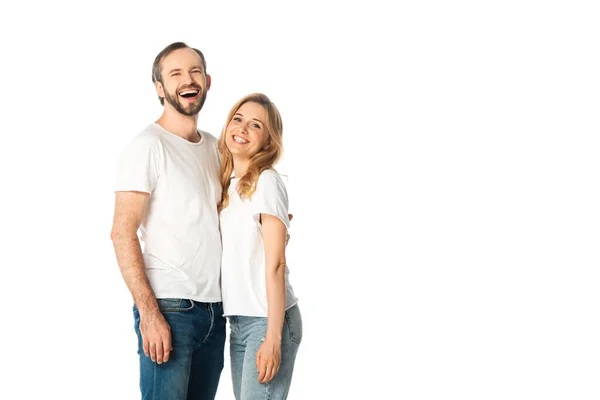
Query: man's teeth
[188,92]
[240,140]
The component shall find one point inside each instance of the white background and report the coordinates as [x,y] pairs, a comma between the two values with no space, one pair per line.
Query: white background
[443,168]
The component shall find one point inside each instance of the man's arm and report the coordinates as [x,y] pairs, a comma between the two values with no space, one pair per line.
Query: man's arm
[130,208]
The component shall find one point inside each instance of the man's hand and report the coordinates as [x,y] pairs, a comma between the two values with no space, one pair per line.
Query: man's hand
[268,360]
[156,336]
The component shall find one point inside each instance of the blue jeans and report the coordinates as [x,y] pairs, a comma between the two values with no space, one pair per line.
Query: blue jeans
[247,335]
[195,364]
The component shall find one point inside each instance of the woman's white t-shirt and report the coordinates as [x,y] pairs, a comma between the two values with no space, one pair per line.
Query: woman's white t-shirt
[243,276]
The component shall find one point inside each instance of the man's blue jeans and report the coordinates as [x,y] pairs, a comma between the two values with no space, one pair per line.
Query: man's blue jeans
[196,362]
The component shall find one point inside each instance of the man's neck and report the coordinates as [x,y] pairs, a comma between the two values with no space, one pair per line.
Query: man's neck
[180,125]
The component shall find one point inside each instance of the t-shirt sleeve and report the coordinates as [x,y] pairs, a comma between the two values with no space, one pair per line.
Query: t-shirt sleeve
[138,166]
[271,197]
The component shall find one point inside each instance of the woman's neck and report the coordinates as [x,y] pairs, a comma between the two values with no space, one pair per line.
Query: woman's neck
[240,166]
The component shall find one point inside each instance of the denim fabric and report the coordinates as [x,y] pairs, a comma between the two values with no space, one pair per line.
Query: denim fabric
[247,335]
[196,362]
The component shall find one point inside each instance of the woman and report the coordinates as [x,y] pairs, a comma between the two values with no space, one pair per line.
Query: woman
[266,326]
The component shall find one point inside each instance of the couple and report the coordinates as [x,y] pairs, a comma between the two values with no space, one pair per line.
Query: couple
[213,215]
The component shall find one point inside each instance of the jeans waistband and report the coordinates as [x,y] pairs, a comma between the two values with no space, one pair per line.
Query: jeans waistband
[207,306]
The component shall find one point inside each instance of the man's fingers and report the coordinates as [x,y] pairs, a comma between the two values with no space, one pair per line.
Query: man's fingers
[166,355]
[167,348]
[159,352]
[153,352]
[146,346]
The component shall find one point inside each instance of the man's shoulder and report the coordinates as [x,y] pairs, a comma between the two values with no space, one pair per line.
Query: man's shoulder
[151,132]
[149,136]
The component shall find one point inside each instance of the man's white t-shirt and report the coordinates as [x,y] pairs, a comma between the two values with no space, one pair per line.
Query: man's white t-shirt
[180,232]
[243,268]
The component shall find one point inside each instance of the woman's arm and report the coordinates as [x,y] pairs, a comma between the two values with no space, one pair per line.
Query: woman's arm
[268,356]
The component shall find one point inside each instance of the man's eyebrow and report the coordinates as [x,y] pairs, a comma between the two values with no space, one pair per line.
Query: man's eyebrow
[179,69]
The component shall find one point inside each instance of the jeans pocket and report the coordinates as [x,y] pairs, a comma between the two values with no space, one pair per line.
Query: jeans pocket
[174,305]
[293,320]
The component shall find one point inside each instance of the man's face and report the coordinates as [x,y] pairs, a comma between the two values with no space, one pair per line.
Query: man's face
[184,81]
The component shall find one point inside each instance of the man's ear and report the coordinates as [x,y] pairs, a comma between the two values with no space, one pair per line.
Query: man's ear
[160,90]
[208,81]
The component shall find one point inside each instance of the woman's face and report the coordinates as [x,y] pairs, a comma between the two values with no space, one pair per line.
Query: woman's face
[246,132]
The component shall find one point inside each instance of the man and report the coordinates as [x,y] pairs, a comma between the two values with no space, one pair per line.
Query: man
[168,187]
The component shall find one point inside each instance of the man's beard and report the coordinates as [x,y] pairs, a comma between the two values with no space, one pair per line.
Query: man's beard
[192,109]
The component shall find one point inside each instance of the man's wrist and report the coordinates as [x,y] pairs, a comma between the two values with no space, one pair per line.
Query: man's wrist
[148,307]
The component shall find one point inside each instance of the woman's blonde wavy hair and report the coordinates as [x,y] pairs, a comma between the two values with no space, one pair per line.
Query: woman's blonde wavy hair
[263,160]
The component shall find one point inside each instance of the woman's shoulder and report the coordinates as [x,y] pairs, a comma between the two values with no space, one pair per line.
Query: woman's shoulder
[270,177]
[270,189]
[268,174]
